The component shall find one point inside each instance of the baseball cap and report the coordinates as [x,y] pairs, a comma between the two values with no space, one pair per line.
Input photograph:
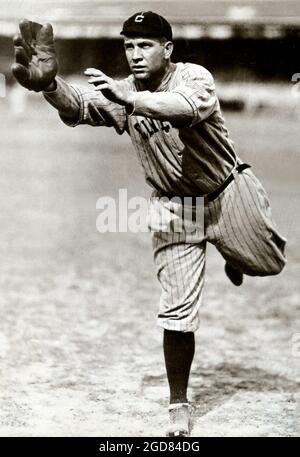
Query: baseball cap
[147,24]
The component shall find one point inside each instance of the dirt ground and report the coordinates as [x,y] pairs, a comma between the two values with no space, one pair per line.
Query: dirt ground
[80,353]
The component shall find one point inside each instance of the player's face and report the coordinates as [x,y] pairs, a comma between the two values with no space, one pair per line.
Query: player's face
[147,57]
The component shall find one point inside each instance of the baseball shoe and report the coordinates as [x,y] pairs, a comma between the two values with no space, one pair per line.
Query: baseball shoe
[180,421]
[235,276]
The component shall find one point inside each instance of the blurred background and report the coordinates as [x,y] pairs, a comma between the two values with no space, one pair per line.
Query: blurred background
[235,39]
[79,350]
[242,42]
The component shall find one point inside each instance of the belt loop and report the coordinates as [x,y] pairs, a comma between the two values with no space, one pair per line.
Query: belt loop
[234,172]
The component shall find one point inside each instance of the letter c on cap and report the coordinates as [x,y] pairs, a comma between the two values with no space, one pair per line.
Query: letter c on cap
[139,18]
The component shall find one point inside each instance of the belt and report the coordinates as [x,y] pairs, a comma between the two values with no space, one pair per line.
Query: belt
[212,195]
[215,193]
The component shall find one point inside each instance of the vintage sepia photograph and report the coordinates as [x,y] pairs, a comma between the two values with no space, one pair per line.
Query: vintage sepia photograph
[149,214]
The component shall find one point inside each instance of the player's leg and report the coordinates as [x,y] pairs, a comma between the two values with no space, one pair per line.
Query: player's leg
[179,349]
[180,269]
[242,228]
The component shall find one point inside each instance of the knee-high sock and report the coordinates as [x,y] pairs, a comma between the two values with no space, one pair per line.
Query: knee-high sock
[179,349]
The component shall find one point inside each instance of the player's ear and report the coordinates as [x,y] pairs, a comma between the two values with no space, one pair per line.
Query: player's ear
[168,49]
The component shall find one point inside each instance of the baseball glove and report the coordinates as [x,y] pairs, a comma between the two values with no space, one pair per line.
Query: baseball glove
[36,64]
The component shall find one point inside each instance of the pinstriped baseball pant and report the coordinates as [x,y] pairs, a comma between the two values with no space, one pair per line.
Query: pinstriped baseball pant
[239,224]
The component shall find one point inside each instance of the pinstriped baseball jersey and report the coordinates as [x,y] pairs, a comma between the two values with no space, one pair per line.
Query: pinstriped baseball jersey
[193,160]
[179,160]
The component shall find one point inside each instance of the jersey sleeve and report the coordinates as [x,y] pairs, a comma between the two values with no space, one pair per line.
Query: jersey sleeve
[96,110]
[198,88]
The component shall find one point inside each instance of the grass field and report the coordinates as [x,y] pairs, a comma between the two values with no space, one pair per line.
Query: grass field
[80,353]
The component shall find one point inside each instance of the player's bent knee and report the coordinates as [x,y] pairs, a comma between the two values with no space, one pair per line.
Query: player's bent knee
[270,269]
[278,267]
[277,263]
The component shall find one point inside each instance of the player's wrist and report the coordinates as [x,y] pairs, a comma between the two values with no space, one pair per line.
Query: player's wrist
[130,104]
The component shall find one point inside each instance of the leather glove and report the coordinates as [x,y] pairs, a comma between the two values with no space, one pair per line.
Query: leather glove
[36,63]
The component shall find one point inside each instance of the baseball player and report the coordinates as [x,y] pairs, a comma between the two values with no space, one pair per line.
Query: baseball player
[172,114]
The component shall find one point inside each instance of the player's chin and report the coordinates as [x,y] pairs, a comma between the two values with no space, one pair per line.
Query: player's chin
[141,74]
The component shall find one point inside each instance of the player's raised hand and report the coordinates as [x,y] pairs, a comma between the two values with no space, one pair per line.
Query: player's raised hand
[113,90]
[36,64]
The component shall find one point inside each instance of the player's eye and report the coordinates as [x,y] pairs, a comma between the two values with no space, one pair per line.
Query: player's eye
[145,45]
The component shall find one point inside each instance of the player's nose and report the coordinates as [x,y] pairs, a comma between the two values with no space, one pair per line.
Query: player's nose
[136,55]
